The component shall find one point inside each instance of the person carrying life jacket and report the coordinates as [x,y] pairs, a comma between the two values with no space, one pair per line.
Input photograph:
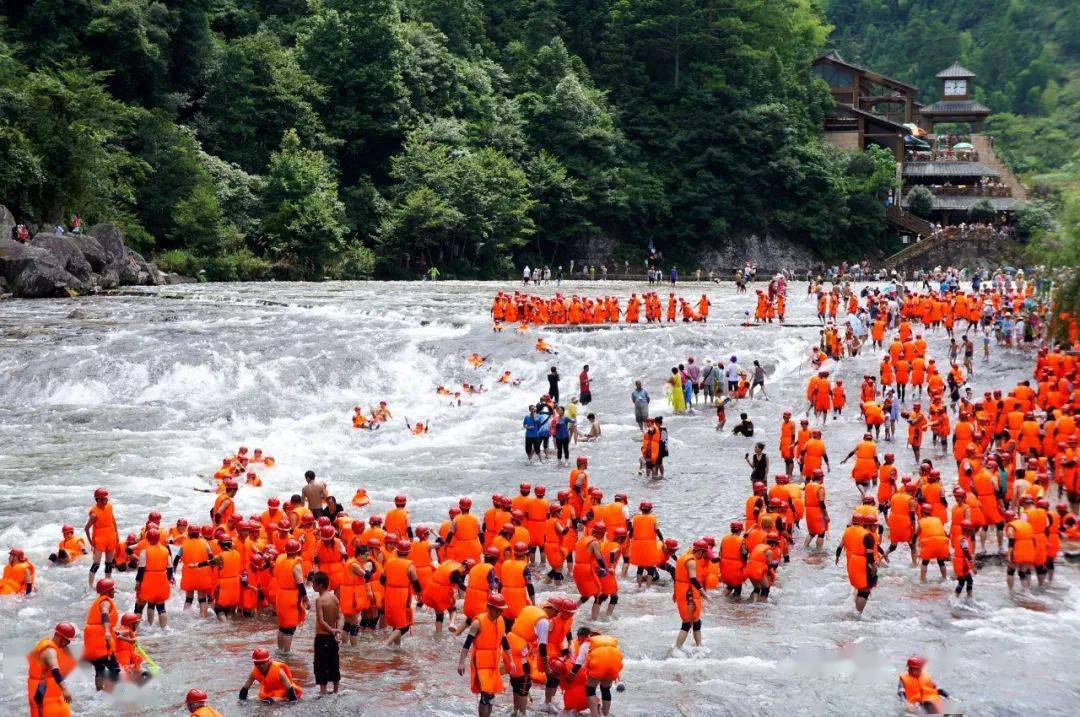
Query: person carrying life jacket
[441,592]
[49,664]
[195,702]
[601,659]
[917,689]
[275,679]
[480,583]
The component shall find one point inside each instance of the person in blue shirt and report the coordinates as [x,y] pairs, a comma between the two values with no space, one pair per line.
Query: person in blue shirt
[534,425]
[564,428]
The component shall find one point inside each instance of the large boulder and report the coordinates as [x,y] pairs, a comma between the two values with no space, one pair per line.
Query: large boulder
[108,279]
[65,249]
[92,251]
[40,279]
[16,256]
[7,223]
[111,241]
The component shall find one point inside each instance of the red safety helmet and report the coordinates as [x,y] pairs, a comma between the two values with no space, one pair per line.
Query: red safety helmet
[322,520]
[292,547]
[539,491]
[273,503]
[507,528]
[193,531]
[260,655]
[620,498]
[700,545]
[195,698]
[557,666]
[327,532]
[284,525]
[868,500]
[306,519]
[496,600]
[890,457]
[153,535]
[736,526]
[776,503]
[772,537]
[468,564]
[154,517]
[101,494]
[422,531]
[759,488]
[105,586]
[391,538]
[207,531]
[818,473]
[916,663]
[404,547]
[374,543]
[400,500]
[17,553]
[620,533]
[130,619]
[583,461]
[1042,503]
[645,506]
[231,485]
[554,509]
[521,548]
[1010,515]
[375,520]
[671,544]
[525,488]
[599,528]
[465,503]
[517,514]
[491,552]
[67,529]
[65,630]
[563,495]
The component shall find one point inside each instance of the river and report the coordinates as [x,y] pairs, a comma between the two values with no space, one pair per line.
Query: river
[144,394]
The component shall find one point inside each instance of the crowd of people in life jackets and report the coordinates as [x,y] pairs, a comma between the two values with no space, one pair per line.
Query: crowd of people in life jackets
[500,578]
[526,310]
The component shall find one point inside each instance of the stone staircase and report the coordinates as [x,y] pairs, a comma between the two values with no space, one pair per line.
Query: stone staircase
[906,220]
[981,143]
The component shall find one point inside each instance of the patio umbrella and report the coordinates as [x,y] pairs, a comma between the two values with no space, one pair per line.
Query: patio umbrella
[963,145]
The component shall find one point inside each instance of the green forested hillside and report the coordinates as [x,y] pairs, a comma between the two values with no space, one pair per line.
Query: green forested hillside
[322,137]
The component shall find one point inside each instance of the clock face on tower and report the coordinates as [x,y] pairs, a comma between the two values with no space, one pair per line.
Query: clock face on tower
[955,88]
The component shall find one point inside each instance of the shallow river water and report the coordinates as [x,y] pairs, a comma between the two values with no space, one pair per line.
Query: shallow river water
[144,394]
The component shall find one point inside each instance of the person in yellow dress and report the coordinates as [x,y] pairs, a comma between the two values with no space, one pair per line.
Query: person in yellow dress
[675,392]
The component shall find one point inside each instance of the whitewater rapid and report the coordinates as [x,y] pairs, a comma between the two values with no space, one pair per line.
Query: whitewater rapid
[144,393]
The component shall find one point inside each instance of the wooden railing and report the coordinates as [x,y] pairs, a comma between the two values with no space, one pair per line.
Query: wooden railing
[908,221]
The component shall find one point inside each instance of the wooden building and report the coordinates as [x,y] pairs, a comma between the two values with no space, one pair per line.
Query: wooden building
[871,108]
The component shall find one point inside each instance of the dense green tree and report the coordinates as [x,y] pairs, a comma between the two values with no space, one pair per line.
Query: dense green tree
[305,220]
[357,50]
[256,91]
[921,201]
[455,205]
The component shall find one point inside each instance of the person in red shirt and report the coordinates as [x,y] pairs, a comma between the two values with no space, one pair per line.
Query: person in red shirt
[585,392]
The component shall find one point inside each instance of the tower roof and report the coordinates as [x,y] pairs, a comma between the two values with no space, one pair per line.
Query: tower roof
[955,72]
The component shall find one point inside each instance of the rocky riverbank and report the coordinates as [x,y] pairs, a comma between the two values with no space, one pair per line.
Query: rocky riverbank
[68,264]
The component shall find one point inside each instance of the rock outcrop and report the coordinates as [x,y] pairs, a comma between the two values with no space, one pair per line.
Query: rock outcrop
[66,264]
[770,253]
